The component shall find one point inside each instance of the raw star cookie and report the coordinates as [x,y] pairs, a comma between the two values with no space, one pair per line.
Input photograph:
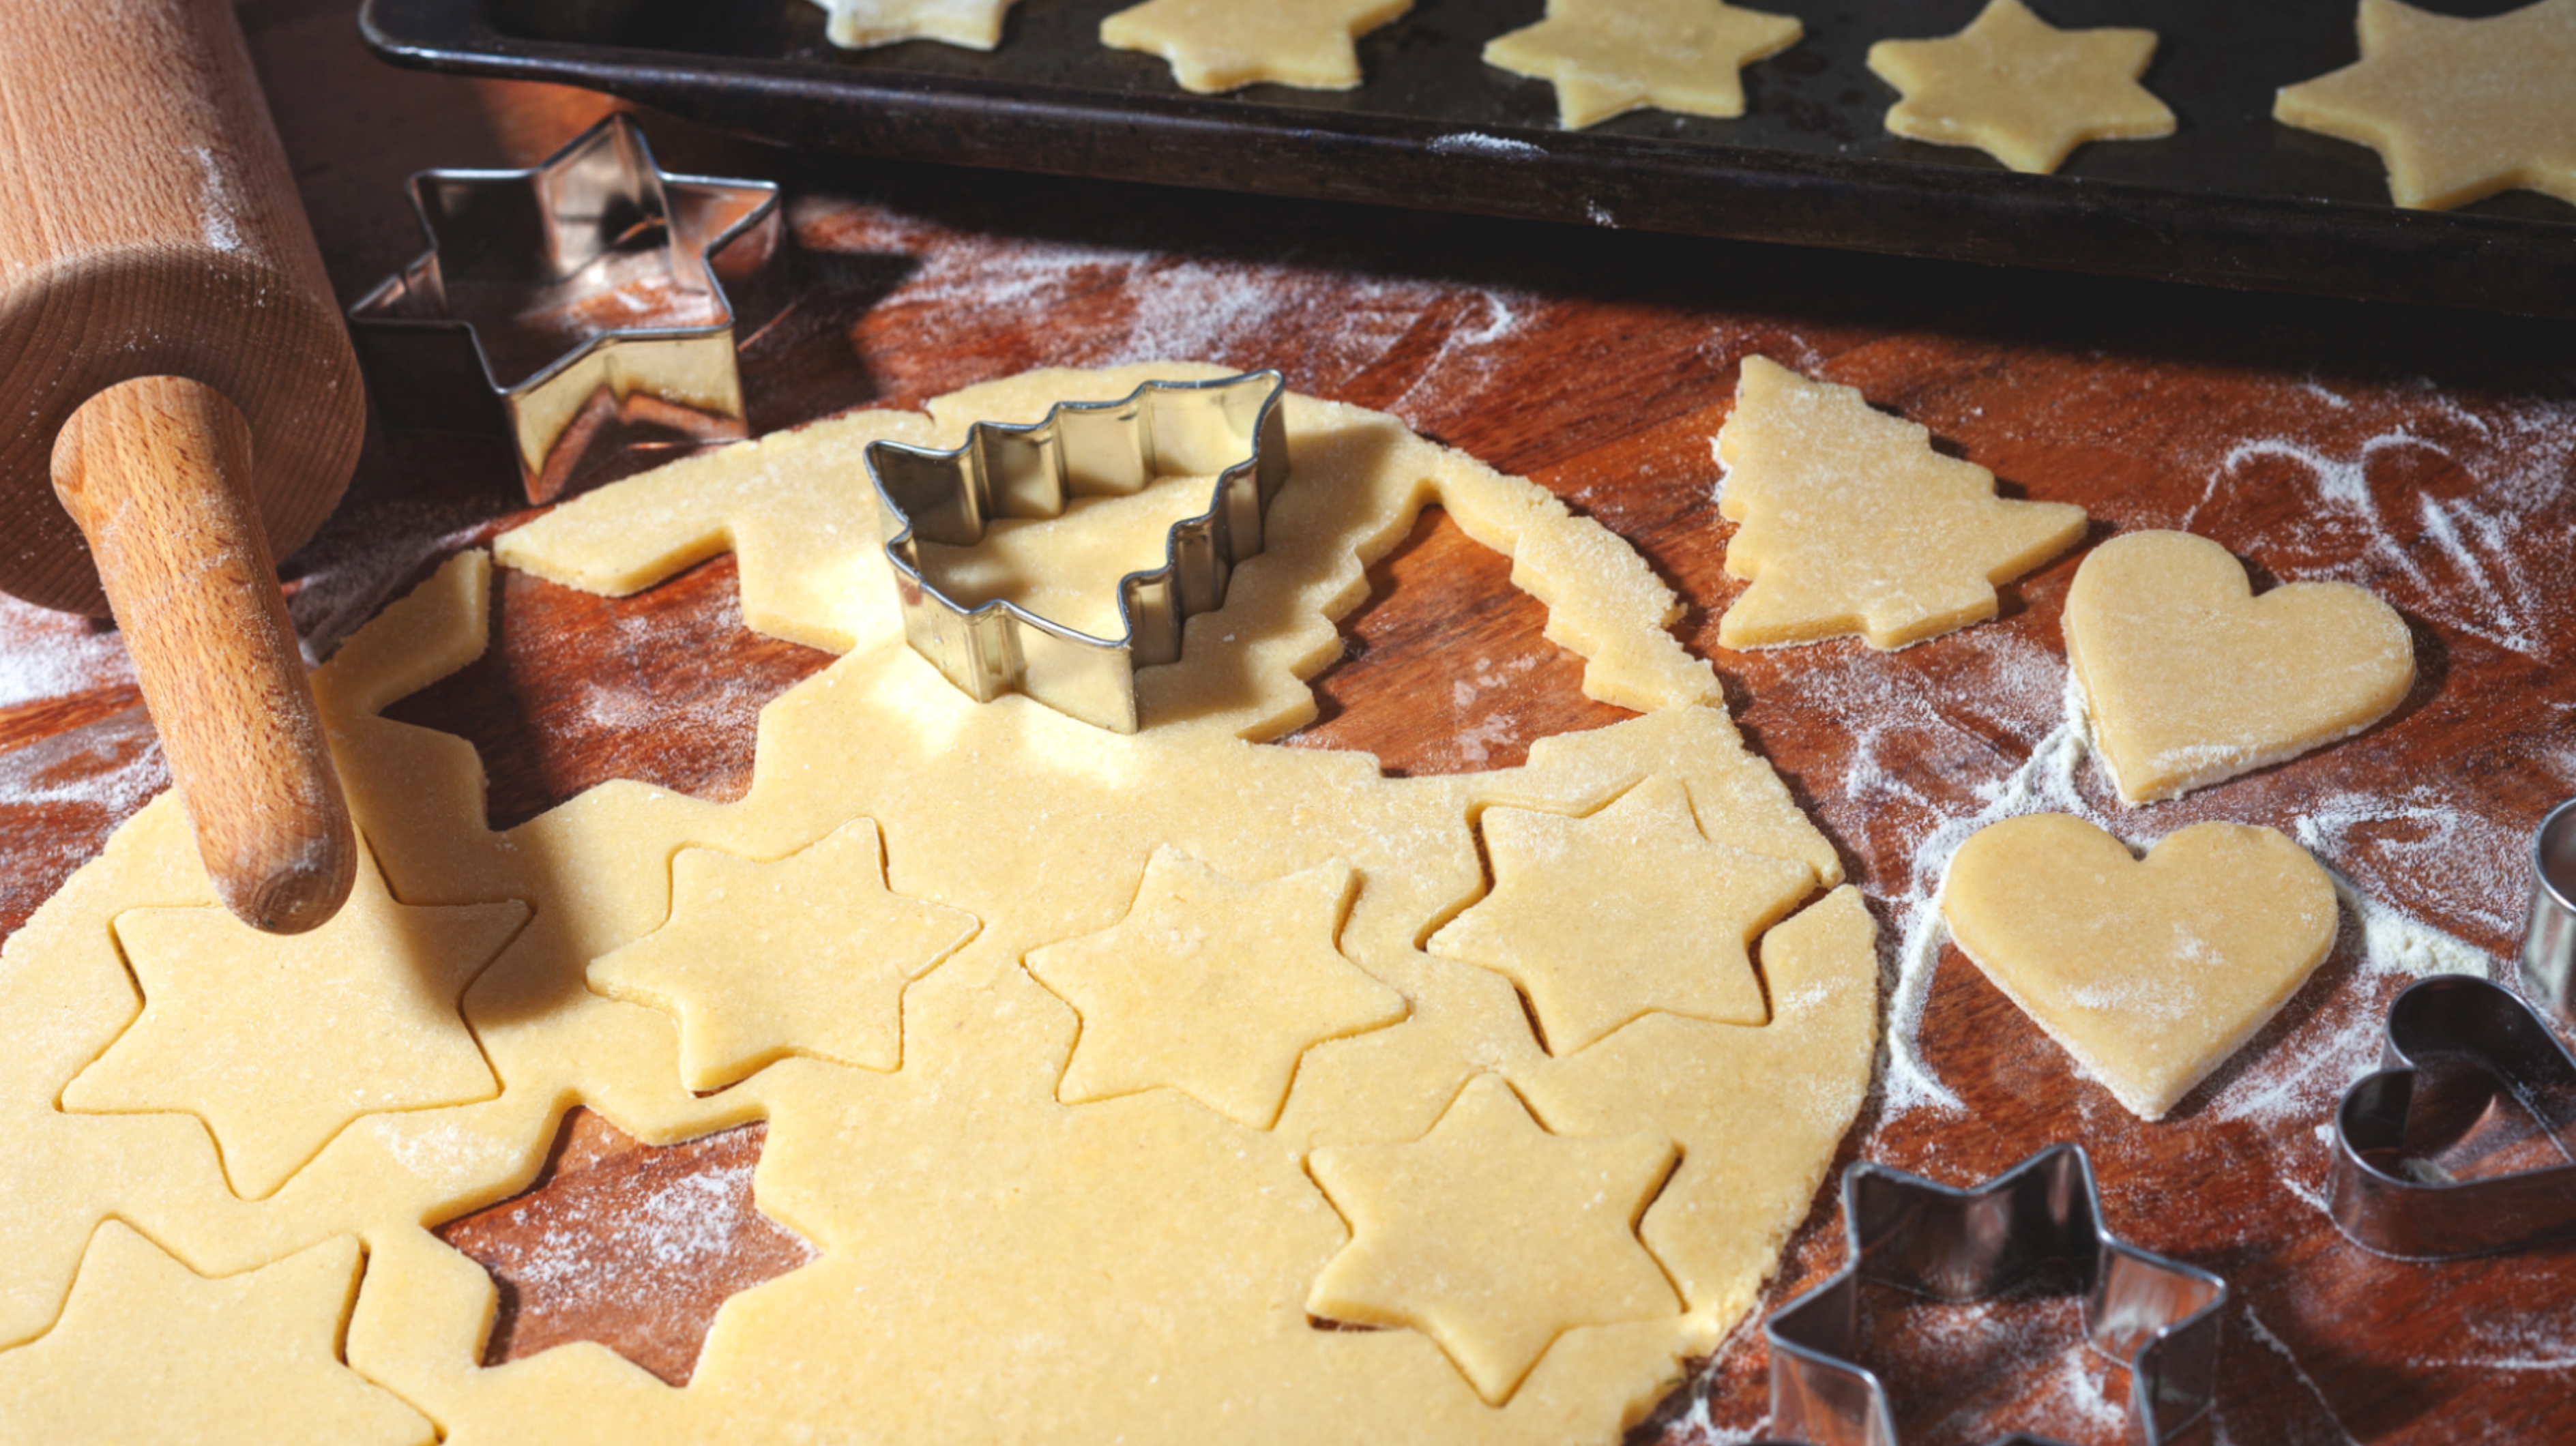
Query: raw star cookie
[1220,45]
[860,24]
[2151,972]
[2459,109]
[2020,89]
[1608,57]
[1066,1180]
[1852,524]
[2188,678]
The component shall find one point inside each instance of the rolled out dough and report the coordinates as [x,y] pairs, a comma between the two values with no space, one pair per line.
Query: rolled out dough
[2151,972]
[1047,1212]
[2189,678]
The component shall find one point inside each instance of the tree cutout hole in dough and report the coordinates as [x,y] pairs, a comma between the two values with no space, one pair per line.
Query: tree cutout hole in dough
[2150,972]
[1159,1250]
[2190,678]
[636,1246]
[1443,622]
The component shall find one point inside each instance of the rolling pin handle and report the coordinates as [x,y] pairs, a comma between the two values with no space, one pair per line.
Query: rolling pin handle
[156,471]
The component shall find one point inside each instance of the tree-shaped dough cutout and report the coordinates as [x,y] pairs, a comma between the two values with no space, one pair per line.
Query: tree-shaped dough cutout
[1853,526]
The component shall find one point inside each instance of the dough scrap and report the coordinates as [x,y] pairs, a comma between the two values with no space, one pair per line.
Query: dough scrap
[1852,524]
[1595,943]
[2150,972]
[808,954]
[1216,45]
[995,1262]
[1609,57]
[2459,109]
[149,1350]
[863,24]
[2188,678]
[2020,89]
[385,976]
[1213,987]
[1425,1218]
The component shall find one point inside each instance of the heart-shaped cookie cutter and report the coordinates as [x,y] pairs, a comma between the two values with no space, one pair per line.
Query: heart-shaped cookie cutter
[2158,1317]
[2464,1060]
[1233,427]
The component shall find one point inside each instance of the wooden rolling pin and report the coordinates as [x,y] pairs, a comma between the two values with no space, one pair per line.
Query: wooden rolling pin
[182,407]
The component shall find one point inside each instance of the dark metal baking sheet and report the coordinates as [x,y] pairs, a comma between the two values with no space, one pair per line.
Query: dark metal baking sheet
[2231,199]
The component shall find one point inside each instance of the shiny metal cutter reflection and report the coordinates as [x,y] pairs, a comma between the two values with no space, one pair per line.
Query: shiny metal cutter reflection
[2156,1316]
[587,246]
[1233,427]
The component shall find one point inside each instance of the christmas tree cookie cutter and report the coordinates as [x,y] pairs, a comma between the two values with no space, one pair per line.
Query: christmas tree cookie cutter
[2158,1317]
[1232,427]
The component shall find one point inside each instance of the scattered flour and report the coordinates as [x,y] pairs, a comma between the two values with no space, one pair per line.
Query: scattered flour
[1477,143]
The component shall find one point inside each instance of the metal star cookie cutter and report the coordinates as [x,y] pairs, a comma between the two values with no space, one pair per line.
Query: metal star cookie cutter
[2469,1072]
[2158,1317]
[1233,427]
[557,307]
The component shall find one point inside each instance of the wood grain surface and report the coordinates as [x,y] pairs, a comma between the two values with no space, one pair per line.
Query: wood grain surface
[2430,456]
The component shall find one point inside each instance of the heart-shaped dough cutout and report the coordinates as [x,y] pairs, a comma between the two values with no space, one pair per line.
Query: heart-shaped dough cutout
[2190,678]
[2149,971]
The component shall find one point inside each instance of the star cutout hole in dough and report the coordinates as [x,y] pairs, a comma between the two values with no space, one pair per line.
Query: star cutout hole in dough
[2459,109]
[1221,45]
[1850,523]
[2020,89]
[809,954]
[278,1042]
[1609,57]
[631,1245]
[1601,920]
[1492,1236]
[147,1350]
[1214,988]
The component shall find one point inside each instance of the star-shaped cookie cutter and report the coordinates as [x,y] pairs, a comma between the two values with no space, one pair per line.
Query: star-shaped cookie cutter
[1233,427]
[2465,1061]
[2158,1317]
[557,303]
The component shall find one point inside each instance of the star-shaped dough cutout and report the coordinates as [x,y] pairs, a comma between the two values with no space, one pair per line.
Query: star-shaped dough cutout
[1438,1226]
[148,1350]
[808,955]
[1213,988]
[1609,57]
[1600,920]
[278,1042]
[864,24]
[2459,109]
[2020,89]
[1221,45]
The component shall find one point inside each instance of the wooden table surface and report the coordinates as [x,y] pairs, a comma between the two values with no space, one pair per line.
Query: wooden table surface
[2430,456]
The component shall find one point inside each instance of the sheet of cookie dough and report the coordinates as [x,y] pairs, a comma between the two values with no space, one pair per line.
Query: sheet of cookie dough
[2458,108]
[1609,57]
[1852,524]
[1216,46]
[1002,1255]
[863,24]
[2151,972]
[2020,89]
[2189,678]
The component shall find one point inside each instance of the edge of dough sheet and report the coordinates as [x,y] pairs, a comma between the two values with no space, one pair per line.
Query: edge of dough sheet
[1758,1111]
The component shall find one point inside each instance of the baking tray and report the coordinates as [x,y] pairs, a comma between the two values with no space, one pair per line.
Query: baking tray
[2231,199]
